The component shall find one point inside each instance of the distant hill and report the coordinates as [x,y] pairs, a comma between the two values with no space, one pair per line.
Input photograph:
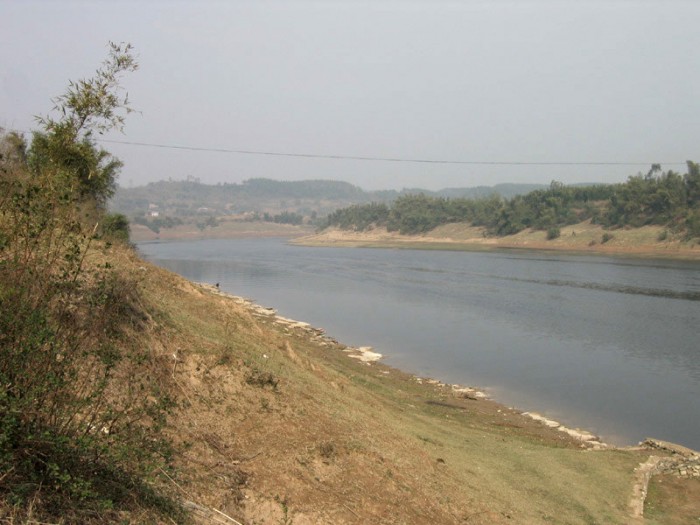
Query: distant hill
[309,197]
[507,191]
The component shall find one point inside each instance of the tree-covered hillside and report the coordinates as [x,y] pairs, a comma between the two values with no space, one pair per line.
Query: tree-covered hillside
[662,198]
[190,197]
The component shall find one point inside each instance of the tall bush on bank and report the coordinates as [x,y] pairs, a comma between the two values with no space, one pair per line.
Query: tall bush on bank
[81,402]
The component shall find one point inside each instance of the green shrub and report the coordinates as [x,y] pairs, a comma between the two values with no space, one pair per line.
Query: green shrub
[82,404]
[115,227]
[553,232]
[693,224]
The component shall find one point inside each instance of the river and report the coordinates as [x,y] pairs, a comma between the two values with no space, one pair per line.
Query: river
[611,345]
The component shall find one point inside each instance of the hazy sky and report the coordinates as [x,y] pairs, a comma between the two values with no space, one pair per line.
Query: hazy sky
[493,81]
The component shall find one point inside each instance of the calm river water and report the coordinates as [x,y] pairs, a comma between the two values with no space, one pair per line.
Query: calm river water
[610,345]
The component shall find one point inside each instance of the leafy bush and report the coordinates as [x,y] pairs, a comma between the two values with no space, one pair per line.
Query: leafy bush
[209,222]
[692,221]
[553,233]
[82,404]
[286,217]
[115,227]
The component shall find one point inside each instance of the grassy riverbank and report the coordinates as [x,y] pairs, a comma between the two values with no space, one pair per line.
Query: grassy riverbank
[281,425]
[586,238]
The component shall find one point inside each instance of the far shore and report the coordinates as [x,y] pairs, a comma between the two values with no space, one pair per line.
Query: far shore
[225,230]
[584,238]
[649,242]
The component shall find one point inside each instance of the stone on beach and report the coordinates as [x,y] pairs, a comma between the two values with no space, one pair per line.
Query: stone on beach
[366,354]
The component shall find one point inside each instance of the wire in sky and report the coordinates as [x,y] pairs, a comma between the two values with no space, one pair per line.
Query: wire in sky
[382,159]
[387,159]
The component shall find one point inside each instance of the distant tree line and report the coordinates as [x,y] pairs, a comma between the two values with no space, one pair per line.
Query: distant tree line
[156,223]
[664,198]
[286,217]
[184,198]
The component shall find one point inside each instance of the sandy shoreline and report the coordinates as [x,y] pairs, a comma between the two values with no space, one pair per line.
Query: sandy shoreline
[578,239]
